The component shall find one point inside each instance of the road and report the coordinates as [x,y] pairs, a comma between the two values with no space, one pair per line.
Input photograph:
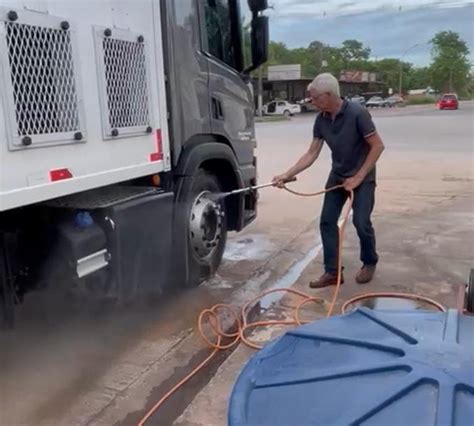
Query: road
[428,152]
[71,363]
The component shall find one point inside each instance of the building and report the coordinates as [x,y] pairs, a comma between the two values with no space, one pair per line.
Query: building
[287,82]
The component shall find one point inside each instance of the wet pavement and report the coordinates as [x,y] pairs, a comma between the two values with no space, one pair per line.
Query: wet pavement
[84,362]
[421,270]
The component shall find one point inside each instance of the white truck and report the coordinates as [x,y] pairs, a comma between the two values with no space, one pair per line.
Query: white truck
[118,118]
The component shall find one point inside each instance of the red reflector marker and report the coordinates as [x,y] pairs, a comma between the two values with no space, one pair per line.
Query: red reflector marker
[60,174]
[158,155]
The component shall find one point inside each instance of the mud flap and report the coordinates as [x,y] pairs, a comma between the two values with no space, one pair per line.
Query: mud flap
[7,291]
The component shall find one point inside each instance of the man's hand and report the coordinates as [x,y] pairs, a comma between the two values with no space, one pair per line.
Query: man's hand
[279,181]
[353,182]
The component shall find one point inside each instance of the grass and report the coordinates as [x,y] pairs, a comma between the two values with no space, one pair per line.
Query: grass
[420,100]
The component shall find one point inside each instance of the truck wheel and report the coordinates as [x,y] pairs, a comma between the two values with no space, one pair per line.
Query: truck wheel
[207,228]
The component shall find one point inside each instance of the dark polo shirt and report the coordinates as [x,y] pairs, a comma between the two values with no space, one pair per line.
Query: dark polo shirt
[345,136]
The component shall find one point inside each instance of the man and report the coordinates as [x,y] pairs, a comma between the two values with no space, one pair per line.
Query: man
[350,133]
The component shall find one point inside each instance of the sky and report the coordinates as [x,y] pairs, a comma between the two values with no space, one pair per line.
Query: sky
[391,28]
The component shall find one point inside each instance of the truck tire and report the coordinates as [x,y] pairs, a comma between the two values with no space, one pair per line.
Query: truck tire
[207,228]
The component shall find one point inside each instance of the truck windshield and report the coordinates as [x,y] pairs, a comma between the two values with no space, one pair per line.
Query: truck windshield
[246,17]
[228,32]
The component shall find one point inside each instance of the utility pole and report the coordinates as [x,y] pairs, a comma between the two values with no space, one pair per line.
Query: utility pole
[400,82]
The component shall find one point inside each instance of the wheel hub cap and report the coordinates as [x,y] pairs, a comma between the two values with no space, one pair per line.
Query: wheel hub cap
[205,225]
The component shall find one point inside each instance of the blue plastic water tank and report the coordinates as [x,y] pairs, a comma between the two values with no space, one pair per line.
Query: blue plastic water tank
[368,367]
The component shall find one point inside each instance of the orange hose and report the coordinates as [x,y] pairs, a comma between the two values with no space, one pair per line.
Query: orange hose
[243,326]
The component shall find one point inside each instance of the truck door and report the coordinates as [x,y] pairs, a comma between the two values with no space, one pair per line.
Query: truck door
[230,99]
[188,72]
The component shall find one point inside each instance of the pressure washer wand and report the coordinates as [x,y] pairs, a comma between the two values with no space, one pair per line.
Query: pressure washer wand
[253,188]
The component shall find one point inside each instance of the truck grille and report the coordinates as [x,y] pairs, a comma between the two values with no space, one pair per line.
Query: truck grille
[42,77]
[126,83]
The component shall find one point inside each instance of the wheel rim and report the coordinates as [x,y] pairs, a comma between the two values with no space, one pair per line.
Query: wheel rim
[205,225]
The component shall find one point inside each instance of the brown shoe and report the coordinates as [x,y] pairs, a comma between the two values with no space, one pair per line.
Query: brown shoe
[365,274]
[326,280]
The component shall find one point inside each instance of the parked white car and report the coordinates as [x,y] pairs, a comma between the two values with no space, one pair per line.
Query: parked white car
[307,105]
[375,102]
[281,108]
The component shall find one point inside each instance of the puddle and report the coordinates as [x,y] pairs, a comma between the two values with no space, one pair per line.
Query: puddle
[252,247]
[289,278]
[393,303]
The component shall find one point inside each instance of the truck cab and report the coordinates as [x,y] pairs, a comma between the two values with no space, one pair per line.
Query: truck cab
[117,123]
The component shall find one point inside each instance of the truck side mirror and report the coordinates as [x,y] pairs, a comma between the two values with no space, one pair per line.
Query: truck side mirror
[258,5]
[260,38]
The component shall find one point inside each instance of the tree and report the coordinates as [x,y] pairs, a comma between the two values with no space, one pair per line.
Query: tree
[278,54]
[353,51]
[389,71]
[450,67]
[418,78]
[335,60]
[352,55]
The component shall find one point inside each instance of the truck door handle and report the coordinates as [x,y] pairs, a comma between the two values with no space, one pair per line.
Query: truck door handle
[217,111]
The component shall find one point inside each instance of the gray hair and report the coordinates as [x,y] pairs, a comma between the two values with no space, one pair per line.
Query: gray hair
[325,83]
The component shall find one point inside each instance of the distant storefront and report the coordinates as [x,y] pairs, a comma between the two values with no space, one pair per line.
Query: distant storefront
[290,90]
[361,83]
[296,90]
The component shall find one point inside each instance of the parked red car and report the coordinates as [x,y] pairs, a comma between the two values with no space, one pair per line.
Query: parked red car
[448,101]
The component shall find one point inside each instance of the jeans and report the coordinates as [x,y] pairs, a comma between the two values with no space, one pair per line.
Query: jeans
[362,207]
